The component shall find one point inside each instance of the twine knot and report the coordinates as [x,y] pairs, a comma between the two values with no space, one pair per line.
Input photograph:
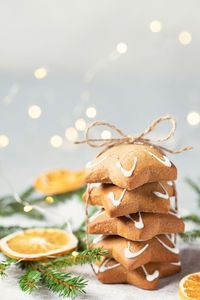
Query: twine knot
[131,139]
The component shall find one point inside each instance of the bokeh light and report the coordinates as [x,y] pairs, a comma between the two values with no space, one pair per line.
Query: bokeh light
[106,134]
[193,118]
[4,141]
[155,26]
[91,112]
[28,208]
[71,134]
[34,111]
[40,73]
[185,38]
[121,48]
[80,124]
[56,141]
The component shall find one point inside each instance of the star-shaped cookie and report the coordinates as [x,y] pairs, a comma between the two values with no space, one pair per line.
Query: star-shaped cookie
[145,277]
[133,254]
[129,166]
[140,226]
[150,197]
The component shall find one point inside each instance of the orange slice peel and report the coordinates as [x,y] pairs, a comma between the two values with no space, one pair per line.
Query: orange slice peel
[38,243]
[189,287]
[59,181]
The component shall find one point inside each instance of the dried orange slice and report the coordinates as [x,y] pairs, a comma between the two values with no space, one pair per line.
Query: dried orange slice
[34,244]
[189,287]
[59,181]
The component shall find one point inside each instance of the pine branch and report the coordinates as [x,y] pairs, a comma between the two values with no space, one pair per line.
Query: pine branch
[194,218]
[195,187]
[62,283]
[87,256]
[28,281]
[190,236]
[4,265]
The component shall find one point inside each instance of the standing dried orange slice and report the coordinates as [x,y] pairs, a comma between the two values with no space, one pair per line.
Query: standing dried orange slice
[189,287]
[59,181]
[38,243]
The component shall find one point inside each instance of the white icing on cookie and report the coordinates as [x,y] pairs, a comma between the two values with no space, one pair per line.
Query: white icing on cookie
[174,214]
[125,172]
[111,196]
[91,164]
[150,277]
[129,254]
[173,250]
[99,238]
[138,224]
[97,215]
[94,185]
[161,195]
[165,162]
[103,267]
[170,183]
[176,263]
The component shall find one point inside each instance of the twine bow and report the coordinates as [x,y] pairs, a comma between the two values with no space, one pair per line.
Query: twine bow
[128,139]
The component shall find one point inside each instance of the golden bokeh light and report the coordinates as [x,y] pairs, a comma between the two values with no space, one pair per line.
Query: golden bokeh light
[4,141]
[56,141]
[193,118]
[71,134]
[91,112]
[106,134]
[155,26]
[40,73]
[121,48]
[34,111]
[185,37]
[80,124]
[28,208]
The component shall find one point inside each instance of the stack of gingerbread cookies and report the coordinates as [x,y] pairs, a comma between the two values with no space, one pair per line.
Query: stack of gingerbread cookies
[134,184]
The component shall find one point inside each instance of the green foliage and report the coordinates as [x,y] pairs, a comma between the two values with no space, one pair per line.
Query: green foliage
[87,256]
[194,234]
[28,281]
[9,206]
[4,265]
[190,236]
[62,283]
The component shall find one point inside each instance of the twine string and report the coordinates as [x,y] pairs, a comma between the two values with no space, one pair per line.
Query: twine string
[131,139]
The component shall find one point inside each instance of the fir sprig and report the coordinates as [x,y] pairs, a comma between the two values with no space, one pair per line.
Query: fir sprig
[29,281]
[190,236]
[4,265]
[86,256]
[62,283]
[192,217]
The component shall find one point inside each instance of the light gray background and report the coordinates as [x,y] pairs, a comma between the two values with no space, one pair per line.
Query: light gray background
[156,76]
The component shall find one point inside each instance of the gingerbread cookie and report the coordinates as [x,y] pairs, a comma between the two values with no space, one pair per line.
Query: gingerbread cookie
[129,166]
[133,254]
[145,277]
[150,197]
[140,226]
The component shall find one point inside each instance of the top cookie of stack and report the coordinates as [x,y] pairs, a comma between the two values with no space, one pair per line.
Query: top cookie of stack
[139,176]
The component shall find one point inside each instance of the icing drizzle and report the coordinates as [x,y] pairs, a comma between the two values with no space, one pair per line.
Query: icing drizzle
[103,267]
[164,195]
[91,164]
[99,238]
[138,224]
[129,254]
[174,214]
[97,215]
[165,162]
[150,277]
[173,250]
[125,172]
[176,263]
[111,196]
